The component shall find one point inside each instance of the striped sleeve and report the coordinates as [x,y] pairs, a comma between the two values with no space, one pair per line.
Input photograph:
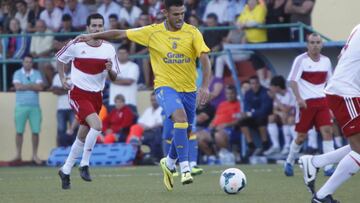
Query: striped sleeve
[66,54]
[296,69]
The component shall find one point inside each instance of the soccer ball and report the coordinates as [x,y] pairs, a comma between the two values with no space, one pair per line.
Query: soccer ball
[232,180]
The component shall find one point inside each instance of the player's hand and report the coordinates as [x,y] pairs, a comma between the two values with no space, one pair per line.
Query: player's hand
[66,83]
[83,38]
[301,103]
[108,65]
[203,96]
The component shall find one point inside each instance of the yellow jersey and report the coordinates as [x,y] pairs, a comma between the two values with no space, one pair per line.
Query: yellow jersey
[258,14]
[172,54]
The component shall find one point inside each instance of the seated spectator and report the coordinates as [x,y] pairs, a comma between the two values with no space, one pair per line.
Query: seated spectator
[283,113]
[41,47]
[64,115]
[78,12]
[234,9]
[126,82]
[194,8]
[218,8]
[300,11]
[117,123]
[153,8]
[257,108]
[22,13]
[254,14]
[66,26]
[34,14]
[107,8]
[129,12]
[222,126]
[213,38]
[276,15]
[6,14]
[147,130]
[217,91]
[236,36]
[194,20]
[51,16]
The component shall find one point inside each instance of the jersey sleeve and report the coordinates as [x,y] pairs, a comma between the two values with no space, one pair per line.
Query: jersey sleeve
[199,44]
[115,62]
[330,71]
[140,35]
[66,54]
[296,70]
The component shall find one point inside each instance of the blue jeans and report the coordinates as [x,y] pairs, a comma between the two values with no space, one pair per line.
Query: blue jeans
[64,118]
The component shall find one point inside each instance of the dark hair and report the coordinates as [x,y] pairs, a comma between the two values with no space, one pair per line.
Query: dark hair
[28,56]
[278,81]
[231,87]
[119,97]
[113,15]
[21,2]
[124,46]
[254,78]
[66,17]
[94,16]
[314,34]
[169,3]
[213,16]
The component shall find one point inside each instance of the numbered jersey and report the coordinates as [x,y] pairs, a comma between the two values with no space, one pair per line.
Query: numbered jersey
[345,82]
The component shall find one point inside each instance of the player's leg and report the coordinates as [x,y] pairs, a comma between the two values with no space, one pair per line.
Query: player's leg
[193,154]
[273,131]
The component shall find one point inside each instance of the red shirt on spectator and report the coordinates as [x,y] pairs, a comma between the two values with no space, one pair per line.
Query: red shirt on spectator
[118,119]
[226,112]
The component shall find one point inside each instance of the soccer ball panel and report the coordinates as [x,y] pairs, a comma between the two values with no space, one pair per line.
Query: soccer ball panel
[232,181]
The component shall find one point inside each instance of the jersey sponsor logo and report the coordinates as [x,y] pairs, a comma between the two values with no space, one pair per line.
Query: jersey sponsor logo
[176,58]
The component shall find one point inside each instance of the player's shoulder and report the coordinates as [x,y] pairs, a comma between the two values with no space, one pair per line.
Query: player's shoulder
[190,28]
[324,57]
[301,57]
[108,45]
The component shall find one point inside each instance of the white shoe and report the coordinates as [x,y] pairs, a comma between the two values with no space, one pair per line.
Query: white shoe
[309,172]
[285,151]
[271,151]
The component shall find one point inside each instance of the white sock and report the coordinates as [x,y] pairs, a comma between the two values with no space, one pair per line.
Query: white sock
[293,132]
[184,166]
[287,135]
[328,146]
[89,146]
[192,164]
[274,134]
[170,163]
[75,152]
[333,157]
[294,151]
[312,139]
[338,141]
[346,168]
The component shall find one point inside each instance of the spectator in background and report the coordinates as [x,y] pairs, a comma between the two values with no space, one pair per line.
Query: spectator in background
[64,115]
[6,14]
[213,38]
[51,16]
[126,82]
[34,14]
[28,83]
[300,11]
[78,12]
[66,26]
[235,36]
[22,13]
[234,9]
[107,8]
[117,123]
[41,46]
[216,90]
[129,12]
[148,129]
[257,108]
[159,18]
[153,8]
[194,21]
[194,8]
[276,15]
[217,7]
[114,21]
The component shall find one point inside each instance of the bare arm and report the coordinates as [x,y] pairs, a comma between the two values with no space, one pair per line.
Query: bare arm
[60,67]
[106,35]
[204,88]
[295,89]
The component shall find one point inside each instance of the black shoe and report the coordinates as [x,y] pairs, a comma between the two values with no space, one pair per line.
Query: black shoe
[65,180]
[327,199]
[84,173]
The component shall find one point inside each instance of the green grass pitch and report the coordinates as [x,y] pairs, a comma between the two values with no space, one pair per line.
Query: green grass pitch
[266,184]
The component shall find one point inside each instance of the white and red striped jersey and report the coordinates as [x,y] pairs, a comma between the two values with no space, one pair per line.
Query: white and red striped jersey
[287,99]
[311,76]
[346,79]
[88,71]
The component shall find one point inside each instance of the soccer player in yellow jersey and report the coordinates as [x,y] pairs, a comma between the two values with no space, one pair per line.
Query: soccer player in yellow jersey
[174,47]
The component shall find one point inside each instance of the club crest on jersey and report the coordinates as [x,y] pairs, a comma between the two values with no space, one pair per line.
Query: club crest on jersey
[174,45]
[83,52]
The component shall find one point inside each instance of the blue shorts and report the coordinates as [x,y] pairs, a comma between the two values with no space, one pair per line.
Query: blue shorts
[170,100]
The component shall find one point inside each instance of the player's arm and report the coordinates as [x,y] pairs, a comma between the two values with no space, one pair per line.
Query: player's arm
[60,67]
[106,35]
[206,69]
[295,88]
